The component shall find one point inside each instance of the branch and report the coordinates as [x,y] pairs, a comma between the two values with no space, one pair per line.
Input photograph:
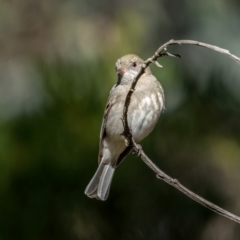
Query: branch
[161,52]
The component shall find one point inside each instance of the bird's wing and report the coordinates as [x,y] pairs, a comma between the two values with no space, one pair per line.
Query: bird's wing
[104,122]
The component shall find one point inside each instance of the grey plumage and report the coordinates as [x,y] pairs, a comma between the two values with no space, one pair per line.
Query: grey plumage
[101,181]
[144,110]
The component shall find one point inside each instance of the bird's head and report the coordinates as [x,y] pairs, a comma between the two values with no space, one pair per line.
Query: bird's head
[128,67]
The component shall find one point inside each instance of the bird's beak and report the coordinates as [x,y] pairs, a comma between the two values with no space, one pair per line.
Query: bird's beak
[120,73]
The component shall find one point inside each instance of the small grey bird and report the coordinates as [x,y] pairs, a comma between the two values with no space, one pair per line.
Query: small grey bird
[146,104]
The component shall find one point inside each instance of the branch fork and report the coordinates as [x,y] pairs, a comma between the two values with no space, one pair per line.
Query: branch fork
[162,52]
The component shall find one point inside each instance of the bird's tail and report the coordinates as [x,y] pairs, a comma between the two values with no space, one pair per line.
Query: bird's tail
[100,184]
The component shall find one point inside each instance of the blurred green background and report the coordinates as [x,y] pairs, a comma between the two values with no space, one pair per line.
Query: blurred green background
[56,69]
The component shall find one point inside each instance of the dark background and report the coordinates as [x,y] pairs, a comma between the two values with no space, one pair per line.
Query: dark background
[56,69]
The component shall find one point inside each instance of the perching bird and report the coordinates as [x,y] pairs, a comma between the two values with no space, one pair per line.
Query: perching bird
[147,102]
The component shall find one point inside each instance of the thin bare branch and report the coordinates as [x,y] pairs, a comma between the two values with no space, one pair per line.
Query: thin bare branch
[175,183]
[162,51]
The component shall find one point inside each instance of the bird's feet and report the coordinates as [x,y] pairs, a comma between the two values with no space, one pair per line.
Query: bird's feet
[137,148]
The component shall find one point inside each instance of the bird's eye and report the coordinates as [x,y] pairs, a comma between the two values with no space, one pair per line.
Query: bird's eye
[134,64]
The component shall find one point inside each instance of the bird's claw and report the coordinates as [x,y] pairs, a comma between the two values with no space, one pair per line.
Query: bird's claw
[138,149]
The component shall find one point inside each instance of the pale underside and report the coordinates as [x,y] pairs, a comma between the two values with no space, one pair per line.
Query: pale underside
[143,113]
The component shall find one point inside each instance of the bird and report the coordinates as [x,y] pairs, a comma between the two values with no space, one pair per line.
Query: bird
[146,104]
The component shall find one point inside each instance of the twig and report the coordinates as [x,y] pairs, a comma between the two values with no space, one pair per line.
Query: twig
[162,51]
